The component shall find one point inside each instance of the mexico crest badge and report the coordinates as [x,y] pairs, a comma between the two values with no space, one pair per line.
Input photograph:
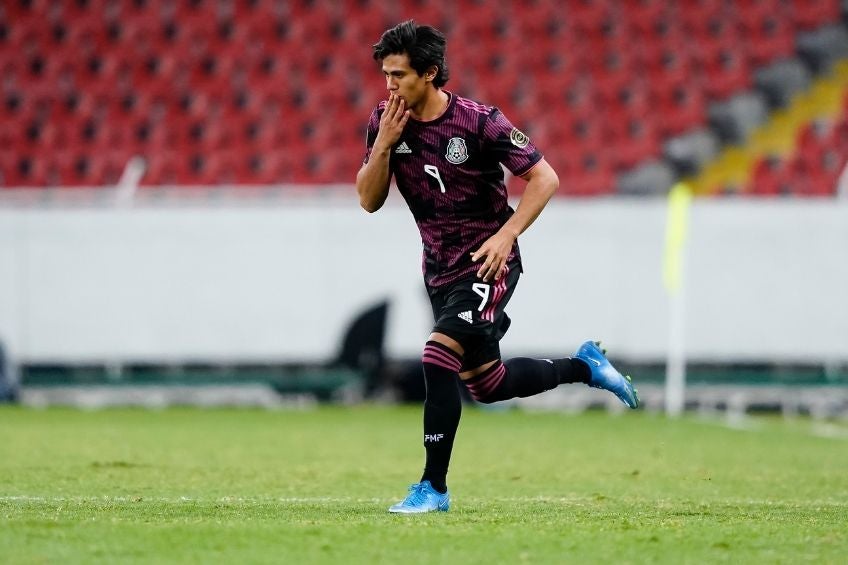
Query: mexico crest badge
[457,151]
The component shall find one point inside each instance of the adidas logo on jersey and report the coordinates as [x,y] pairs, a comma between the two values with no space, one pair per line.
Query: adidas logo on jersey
[403,148]
[466,316]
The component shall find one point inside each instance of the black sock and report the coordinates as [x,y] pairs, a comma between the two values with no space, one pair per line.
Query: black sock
[521,377]
[442,410]
[572,370]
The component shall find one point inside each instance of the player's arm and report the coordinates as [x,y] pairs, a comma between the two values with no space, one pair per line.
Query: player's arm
[542,182]
[372,180]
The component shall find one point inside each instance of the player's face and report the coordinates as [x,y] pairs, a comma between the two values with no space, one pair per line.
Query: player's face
[403,80]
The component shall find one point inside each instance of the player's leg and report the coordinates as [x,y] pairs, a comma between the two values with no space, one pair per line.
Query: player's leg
[441,360]
[489,379]
[464,314]
[465,317]
[442,407]
[521,377]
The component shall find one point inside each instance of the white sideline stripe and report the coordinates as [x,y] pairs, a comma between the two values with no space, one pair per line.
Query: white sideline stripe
[183,499]
[829,431]
[349,500]
[746,424]
[285,500]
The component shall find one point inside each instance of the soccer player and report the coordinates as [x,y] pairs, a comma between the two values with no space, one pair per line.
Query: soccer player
[445,153]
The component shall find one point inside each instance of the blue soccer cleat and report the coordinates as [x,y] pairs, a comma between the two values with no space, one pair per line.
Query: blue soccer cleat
[422,497]
[605,376]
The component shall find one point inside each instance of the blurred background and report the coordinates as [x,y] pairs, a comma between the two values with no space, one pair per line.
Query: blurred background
[178,222]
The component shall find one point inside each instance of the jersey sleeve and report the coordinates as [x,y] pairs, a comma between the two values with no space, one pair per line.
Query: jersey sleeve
[371,131]
[509,144]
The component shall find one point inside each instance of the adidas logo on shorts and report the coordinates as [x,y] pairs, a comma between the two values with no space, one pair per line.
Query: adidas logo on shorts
[466,316]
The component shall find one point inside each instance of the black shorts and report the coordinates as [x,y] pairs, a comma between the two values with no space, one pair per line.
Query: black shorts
[472,312]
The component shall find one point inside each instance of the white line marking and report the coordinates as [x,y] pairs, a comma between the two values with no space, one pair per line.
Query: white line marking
[750,424]
[577,500]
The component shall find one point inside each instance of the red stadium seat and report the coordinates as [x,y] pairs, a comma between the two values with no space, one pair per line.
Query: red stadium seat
[479,19]
[630,140]
[269,167]
[810,179]
[811,144]
[647,17]
[696,16]
[438,14]
[142,31]
[590,16]
[770,178]
[364,27]
[615,69]
[307,22]
[681,105]
[105,168]
[10,175]
[767,29]
[25,169]
[809,14]
[583,172]
[840,139]
[542,19]
[726,72]
[222,166]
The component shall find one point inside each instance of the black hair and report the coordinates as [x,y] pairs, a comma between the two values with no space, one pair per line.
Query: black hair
[425,46]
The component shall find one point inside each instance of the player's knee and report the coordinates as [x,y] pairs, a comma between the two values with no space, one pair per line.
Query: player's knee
[441,356]
[488,386]
[487,396]
[483,398]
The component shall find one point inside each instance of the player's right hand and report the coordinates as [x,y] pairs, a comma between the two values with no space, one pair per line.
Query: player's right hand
[393,120]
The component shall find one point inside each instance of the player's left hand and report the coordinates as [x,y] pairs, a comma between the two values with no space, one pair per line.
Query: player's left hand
[496,250]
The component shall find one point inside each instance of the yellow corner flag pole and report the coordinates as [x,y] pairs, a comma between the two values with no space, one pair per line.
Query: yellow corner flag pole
[677,224]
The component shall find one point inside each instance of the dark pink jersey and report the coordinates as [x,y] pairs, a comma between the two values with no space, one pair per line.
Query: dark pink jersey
[449,172]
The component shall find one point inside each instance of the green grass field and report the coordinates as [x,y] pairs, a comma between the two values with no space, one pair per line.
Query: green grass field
[252,486]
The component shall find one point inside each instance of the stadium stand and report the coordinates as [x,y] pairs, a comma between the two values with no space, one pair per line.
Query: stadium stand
[622,96]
